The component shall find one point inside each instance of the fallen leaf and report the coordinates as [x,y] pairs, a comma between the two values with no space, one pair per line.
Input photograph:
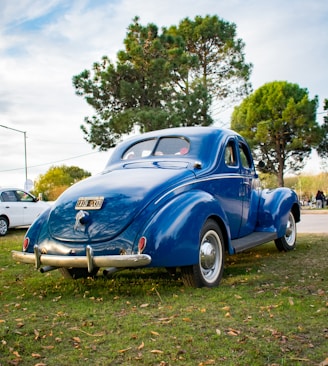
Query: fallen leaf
[157,351]
[207,362]
[16,354]
[36,355]
[324,362]
[142,345]
[154,333]
[37,334]
[144,305]
[124,350]
[233,332]
[186,319]
[76,339]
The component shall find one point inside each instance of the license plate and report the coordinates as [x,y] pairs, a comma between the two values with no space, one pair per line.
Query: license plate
[89,203]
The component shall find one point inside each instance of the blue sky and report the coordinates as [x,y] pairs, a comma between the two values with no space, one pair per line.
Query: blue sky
[43,44]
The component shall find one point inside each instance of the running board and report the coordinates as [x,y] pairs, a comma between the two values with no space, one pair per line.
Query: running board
[252,240]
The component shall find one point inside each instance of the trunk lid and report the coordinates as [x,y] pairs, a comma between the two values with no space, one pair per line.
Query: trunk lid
[125,193]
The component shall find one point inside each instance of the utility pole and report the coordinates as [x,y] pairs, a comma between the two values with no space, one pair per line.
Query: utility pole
[25,155]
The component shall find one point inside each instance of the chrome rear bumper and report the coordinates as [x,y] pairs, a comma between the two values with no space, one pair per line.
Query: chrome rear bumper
[89,261]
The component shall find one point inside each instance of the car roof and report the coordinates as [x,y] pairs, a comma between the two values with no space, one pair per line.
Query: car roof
[205,141]
[184,131]
[2,189]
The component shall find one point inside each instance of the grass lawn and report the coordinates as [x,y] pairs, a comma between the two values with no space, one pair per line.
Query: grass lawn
[270,309]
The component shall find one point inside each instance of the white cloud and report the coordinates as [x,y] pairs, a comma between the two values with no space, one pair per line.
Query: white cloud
[43,44]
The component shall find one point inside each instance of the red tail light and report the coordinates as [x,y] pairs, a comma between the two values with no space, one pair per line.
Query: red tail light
[26,243]
[142,244]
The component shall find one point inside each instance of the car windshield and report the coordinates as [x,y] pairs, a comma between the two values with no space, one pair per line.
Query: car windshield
[166,146]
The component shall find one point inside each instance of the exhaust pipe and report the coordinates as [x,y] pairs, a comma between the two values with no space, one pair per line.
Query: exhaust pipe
[47,269]
[109,271]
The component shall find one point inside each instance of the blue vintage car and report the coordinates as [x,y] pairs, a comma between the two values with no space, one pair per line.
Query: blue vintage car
[174,198]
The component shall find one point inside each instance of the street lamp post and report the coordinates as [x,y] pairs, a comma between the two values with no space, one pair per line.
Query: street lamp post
[25,155]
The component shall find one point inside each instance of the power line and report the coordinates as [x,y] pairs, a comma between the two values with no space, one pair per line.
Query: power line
[50,163]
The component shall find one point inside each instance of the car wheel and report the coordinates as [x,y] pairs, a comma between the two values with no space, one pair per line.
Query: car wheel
[288,241]
[75,273]
[3,226]
[209,269]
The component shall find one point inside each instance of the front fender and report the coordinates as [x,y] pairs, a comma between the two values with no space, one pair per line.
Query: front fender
[173,234]
[275,205]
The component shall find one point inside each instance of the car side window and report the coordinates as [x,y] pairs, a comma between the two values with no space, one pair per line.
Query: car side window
[245,158]
[8,196]
[230,157]
[24,197]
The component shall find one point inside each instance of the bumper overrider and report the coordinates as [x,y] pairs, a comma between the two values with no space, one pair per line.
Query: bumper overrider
[88,261]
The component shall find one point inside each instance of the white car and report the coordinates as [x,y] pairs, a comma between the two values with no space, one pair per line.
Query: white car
[18,208]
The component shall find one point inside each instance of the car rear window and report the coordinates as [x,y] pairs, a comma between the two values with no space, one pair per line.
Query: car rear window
[165,146]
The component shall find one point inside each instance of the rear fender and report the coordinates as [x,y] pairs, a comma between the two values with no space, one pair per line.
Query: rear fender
[275,206]
[38,230]
[174,232]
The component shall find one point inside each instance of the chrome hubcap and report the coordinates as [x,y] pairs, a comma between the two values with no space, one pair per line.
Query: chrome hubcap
[207,255]
[290,230]
[210,256]
[3,227]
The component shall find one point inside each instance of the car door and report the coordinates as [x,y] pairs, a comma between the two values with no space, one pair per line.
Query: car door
[250,191]
[229,187]
[12,208]
[29,205]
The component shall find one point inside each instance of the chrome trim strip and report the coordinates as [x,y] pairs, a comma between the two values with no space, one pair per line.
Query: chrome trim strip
[197,180]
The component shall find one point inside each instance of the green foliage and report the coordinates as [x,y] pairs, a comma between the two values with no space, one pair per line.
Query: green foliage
[220,62]
[270,309]
[323,146]
[163,79]
[307,186]
[279,122]
[57,179]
